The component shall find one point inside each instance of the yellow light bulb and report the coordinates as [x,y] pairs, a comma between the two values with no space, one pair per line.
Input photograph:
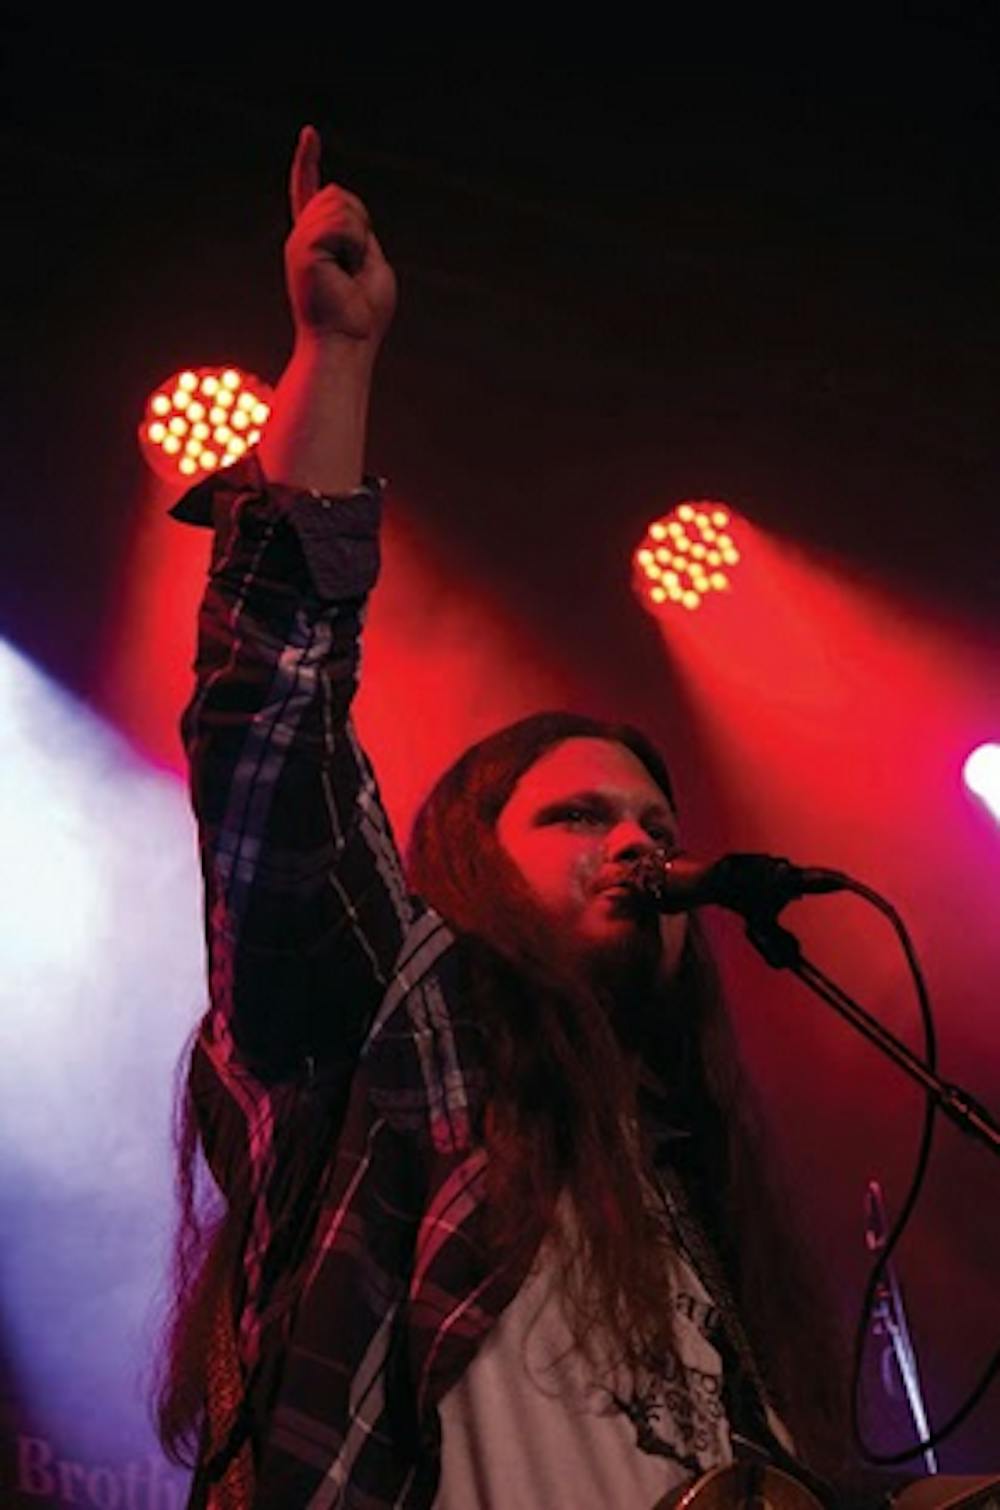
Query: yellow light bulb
[221,433]
[241,419]
[724,542]
[210,386]
[679,564]
[188,381]
[691,600]
[685,512]
[720,519]
[187,466]
[698,552]
[719,581]
[253,437]
[682,543]
[224,397]
[644,556]
[171,445]
[231,378]
[196,410]
[217,415]
[657,531]
[670,578]
[657,594]
[200,431]
[260,413]
[157,431]
[161,404]
[208,460]
[180,398]
[245,401]
[708,535]
[236,447]
[179,425]
[713,558]
[663,555]
[194,447]
[701,520]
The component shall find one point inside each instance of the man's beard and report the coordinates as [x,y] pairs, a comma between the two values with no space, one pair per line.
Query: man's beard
[626,973]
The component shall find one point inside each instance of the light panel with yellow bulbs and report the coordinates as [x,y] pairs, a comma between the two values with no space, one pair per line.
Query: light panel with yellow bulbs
[202,419]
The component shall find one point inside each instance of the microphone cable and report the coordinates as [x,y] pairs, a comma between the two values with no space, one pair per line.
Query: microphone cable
[740,882]
[894,1459]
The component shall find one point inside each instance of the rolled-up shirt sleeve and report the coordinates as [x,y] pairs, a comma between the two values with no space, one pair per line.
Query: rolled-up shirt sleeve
[305,903]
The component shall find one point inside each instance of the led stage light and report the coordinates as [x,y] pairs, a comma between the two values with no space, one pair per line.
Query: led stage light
[982,776]
[680,562]
[201,419]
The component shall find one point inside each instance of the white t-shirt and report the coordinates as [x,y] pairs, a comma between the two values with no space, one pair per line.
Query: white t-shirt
[532,1425]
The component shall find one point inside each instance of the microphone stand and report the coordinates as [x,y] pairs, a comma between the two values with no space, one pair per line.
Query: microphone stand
[889,1320]
[782,951]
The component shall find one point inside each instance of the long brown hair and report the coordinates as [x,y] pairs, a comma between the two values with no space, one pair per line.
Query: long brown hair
[563,1098]
[560,1112]
[214,1199]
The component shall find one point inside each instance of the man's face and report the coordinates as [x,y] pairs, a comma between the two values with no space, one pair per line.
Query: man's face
[575,820]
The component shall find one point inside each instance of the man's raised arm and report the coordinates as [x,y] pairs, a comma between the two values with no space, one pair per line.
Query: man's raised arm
[305,905]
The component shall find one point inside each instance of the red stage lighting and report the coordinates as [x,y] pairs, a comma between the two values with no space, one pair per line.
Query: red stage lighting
[201,419]
[683,557]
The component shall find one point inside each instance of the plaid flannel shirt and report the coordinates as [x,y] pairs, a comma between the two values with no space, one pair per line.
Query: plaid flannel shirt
[335,1006]
[337,1030]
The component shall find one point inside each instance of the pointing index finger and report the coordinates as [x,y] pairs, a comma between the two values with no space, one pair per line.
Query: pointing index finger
[303,180]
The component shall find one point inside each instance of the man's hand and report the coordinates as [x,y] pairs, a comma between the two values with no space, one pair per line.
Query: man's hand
[340,286]
[343,293]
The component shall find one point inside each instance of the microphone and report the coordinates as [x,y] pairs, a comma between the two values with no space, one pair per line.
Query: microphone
[755,886]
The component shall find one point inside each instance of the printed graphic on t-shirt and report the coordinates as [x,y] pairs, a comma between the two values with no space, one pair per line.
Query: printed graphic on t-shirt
[678,1415]
[675,1404]
[539,1420]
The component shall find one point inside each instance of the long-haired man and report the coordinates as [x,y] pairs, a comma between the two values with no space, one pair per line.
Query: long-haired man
[494,1223]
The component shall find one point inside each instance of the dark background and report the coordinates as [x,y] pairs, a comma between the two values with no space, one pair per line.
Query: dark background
[756,256]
